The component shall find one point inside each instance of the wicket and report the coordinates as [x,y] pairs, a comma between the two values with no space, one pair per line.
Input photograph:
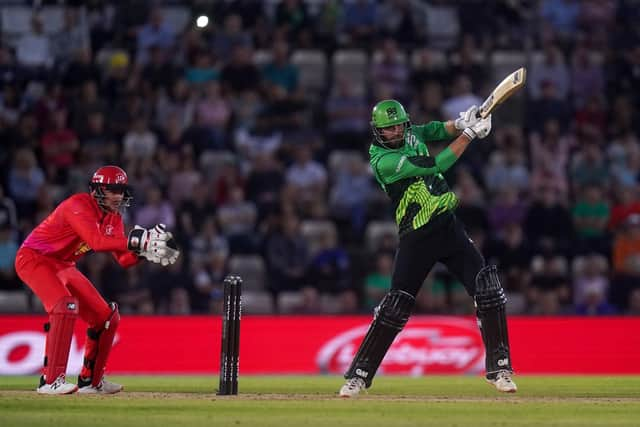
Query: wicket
[230,351]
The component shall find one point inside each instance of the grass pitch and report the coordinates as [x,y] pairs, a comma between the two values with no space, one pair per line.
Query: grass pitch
[312,401]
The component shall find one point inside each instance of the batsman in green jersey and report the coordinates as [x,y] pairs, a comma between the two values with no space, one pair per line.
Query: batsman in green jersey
[429,233]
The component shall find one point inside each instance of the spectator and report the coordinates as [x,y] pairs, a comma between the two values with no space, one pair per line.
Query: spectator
[590,219]
[155,33]
[287,258]
[213,113]
[34,50]
[73,37]
[549,290]
[591,286]
[292,18]
[358,26]
[347,116]
[306,178]
[59,146]
[587,78]
[549,159]
[391,69]
[280,71]
[203,68]
[378,282]
[589,167]
[352,190]
[547,222]
[513,255]
[155,210]
[626,261]
[507,209]
[139,142]
[24,182]
[237,218]
[626,203]
[240,74]
[232,35]
[330,273]
[552,70]
[461,98]
[8,248]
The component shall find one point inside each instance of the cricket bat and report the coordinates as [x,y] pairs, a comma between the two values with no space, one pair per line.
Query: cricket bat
[503,91]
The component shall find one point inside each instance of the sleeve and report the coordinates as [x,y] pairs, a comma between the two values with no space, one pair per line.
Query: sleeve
[126,259]
[432,131]
[394,167]
[82,219]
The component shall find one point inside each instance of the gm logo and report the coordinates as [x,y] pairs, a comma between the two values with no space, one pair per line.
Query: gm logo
[362,373]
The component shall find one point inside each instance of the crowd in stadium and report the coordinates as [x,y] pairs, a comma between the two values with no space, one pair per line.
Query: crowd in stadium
[248,138]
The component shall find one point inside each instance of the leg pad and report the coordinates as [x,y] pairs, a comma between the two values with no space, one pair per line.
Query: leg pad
[492,319]
[59,330]
[389,318]
[98,347]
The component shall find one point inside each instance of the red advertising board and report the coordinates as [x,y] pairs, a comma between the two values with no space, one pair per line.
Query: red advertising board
[326,344]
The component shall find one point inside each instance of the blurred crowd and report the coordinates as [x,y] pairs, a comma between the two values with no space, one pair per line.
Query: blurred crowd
[248,137]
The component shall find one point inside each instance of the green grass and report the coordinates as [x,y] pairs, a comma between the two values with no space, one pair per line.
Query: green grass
[312,401]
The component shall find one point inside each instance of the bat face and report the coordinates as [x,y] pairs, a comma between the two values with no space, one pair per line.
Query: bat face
[503,91]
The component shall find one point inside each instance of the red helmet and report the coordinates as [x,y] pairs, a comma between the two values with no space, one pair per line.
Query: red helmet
[113,179]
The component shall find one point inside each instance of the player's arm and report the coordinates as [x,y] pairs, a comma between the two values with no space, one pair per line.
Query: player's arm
[83,221]
[393,167]
[437,131]
[126,259]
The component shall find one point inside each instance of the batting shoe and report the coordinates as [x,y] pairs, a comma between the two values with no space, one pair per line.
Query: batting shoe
[104,387]
[502,382]
[59,386]
[352,387]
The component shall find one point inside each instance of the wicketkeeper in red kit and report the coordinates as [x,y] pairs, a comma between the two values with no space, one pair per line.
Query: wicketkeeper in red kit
[46,262]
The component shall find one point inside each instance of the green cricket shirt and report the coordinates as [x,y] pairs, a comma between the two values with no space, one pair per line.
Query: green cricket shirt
[413,179]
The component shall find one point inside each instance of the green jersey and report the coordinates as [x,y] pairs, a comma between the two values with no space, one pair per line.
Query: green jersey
[412,179]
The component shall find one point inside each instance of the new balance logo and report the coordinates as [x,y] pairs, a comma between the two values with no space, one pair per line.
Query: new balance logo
[362,373]
[71,306]
[503,362]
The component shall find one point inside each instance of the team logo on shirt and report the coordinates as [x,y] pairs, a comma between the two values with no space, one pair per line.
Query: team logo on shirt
[82,249]
[108,230]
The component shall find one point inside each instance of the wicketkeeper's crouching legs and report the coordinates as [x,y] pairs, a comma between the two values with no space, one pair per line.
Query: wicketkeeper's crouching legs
[97,348]
[490,303]
[390,317]
[59,330]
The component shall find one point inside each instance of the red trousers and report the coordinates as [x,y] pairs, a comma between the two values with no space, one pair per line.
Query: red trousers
[52,280]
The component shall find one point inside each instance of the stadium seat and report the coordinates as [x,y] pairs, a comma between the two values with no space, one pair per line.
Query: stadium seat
[256,302]
[313,230]
[438,58]
[312,66]
[350,63]
[290,302]
[261,57]
[339,159]
[14,302]
[378,55]
[177,18]
[252,270]
[376,230]
[212,161]
[53,19]
[16,20]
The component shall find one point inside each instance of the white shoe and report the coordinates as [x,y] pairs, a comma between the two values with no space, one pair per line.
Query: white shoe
[352,387]
[59,386]
[503,382]
[105,387]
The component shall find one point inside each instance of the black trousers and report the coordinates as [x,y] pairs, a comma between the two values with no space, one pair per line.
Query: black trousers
[444,240]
